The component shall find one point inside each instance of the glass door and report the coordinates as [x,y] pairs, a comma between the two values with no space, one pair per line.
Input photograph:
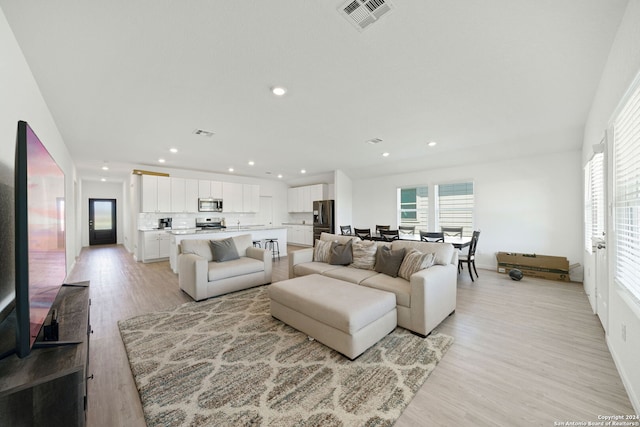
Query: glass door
[102,222]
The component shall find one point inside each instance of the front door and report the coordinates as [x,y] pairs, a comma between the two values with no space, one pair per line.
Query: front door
[102,222]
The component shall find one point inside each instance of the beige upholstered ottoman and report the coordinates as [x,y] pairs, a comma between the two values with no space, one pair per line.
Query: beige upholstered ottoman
[348,318]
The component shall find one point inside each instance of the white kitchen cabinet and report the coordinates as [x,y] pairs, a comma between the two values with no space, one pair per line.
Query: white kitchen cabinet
[300,199]
[156,193]
[317,192]
[191,195]
[155,245]
[292,200]
[209,189]
[216,189]
[307,234]
[232,198]
[178,195]
[250,198]
[184,195]
[300,235]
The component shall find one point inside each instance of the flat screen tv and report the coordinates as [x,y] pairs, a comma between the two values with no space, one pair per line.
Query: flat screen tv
[40,256]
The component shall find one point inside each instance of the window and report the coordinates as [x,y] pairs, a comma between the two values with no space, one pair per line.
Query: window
[454,206]
[414,207]
[594,200]
[626,198]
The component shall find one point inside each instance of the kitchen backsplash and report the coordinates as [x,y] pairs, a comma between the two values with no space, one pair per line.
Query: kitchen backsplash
[188,220]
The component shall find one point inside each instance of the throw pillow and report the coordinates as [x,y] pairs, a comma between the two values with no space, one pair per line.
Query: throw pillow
[197,247]
[388,261]
[321,251]
[340,253]
[415,261]
[364,254]
[224,250]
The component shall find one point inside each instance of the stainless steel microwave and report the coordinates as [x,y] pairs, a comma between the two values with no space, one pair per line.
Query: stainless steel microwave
[210,205]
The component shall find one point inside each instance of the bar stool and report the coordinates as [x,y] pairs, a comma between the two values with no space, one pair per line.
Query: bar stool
[274,246]
[257,244]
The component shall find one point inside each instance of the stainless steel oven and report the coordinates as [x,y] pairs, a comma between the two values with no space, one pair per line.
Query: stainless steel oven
[210,205]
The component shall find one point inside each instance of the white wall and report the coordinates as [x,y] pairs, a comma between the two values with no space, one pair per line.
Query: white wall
[623,65]
[102,190]
[343,194]
[21,99]
[531,204]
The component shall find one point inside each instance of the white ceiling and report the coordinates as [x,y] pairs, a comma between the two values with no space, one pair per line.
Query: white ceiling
[127,80]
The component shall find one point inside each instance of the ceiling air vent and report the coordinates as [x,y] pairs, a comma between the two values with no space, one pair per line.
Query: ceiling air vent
[362,13]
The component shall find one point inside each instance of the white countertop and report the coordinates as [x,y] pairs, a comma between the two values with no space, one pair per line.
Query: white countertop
[231,229]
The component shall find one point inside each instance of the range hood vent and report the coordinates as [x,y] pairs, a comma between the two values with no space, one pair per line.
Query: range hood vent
[363,13]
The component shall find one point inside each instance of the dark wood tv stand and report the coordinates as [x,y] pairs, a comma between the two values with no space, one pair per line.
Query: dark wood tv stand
[49,386]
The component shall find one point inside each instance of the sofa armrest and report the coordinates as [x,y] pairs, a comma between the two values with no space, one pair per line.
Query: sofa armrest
[299,257]
[193,275]
[264,256]
[433,296]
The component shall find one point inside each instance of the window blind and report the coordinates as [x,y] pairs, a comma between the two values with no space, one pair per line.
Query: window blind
[594,220]
[455,205]
[626,179]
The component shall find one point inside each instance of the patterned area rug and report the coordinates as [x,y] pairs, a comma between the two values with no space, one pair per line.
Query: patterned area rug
[226,361]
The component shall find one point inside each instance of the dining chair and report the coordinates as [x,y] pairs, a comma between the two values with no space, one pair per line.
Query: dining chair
[389,235]
[452,231]
[432,236]
[345,229]
[470,257]
[407,229]
[363,233]
[382,227]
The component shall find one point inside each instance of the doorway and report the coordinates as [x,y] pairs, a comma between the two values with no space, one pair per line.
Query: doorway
[102,222]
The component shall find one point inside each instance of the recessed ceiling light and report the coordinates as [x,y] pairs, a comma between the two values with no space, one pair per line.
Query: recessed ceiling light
[278,90]
[103,179]
[173,150]
[279,175]
[303,171]
[385,154]
[105,168]
[432,144]
[231,169]
[161,160]
[251,163]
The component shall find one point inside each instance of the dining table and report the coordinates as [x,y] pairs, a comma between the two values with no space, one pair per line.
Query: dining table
[457,242]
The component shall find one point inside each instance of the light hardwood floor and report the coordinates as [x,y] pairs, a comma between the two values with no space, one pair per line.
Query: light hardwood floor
[525,353]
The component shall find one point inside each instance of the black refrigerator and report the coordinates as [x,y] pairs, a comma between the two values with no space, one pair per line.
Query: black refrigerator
[322,218]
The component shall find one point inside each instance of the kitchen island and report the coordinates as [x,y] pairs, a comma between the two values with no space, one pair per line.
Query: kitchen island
[257,233]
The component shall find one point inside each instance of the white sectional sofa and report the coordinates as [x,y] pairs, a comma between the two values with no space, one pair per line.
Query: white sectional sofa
[422,302]
[200,276]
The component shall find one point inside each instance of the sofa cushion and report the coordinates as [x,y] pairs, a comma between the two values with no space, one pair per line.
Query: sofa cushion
[400,287]
[443,252]
[236,267]
[388,261]
[198,247]
[415,261]
[313,267]
[224,250]
[350,274]
[364,254]
[321,251]
[340,253]
[340,238]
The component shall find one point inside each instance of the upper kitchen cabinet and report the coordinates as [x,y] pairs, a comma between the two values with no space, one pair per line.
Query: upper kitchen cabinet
[240,197]
[300,199]
[184,195]
[156,193]
[251,197]
[210,189]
